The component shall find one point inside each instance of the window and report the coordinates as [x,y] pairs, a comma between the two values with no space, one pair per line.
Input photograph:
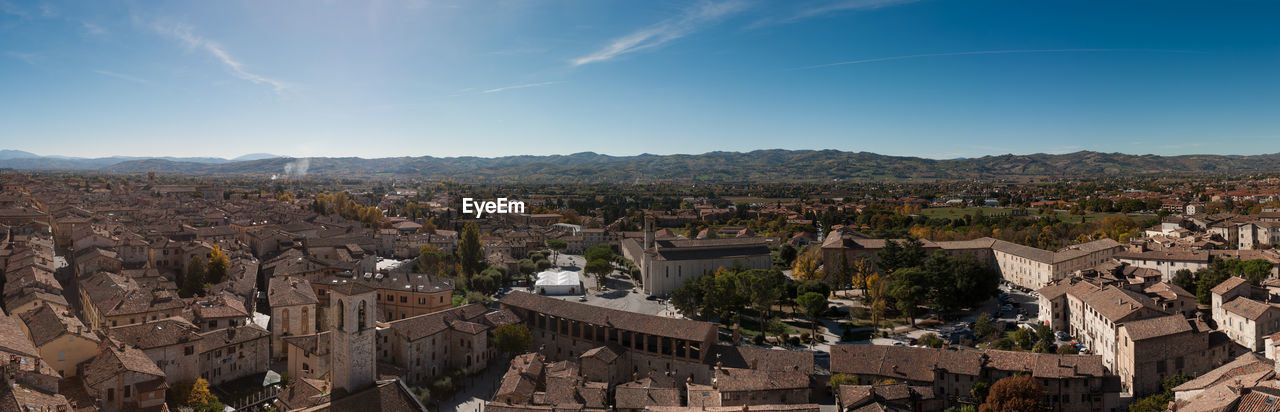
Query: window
[404,299]
[422,301]
[390,298]
[361,317]
[128,391]
[187,351]
[62,356]
[111,394]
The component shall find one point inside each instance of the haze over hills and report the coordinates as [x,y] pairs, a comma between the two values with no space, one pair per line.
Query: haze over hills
[754,166]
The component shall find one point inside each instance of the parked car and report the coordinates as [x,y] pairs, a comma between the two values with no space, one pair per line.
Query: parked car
[582,298]
[1022,318]
[1063,336]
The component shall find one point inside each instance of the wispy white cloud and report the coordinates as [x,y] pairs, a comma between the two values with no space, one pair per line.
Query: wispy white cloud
[48,10]
[121,76]
[819,8]
[92,29]
[13,9]
[520,86]
[688,22]
[184,34]
[981,52]
[28,58]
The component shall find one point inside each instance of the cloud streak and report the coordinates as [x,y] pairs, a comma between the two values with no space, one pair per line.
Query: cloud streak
[828,7]
[28,58]
[519,86]
[121,76]
[688,22]
[184,34]
[985,52]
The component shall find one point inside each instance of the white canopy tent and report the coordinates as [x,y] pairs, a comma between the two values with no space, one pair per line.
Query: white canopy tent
[556,282]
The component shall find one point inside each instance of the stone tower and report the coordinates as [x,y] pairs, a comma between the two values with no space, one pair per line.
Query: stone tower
[352,332]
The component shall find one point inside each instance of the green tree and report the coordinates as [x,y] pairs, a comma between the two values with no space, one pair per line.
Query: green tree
[1208,279]
[601,269]
[1067,350]
[542,264]
[194,280]
[688,298]
[907,287]
[557,245]
[931,340]
[984,327]
[841,379]
[979,391]
[1020,393]
[527,268]
[470,254]
[1184,279]
[1023,337]
[512,339]
[1044,334]
[429,259]
[787,254]
[814,305]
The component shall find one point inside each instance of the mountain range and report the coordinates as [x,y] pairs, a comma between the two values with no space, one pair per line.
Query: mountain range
[754,166]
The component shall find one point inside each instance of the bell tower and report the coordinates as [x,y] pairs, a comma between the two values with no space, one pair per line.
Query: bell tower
[352,335]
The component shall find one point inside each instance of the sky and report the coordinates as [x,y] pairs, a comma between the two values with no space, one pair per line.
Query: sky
[382,78]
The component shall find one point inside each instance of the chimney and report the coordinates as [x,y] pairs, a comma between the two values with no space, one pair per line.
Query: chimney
[755,362]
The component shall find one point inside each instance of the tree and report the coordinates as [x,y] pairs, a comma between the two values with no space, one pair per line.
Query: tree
[527,268]
[1160,401]
[809,265]
[1021,393]
[787,254]
[512,339]
[1041,347]
[979,391]
[1067,350]
[841,379]
[815,287]
[194,280]
[931,340]
[688,297]
[1023,338]
[907,287]
[877,298]
[1044,334]
[1184,279]
[601,269]
[477,297]
[200,394]
[814,305]
[470,254]
[862,269]
[556,245]
[1208,279]
[429,259]
[984,327]
[218,265]
[542,264]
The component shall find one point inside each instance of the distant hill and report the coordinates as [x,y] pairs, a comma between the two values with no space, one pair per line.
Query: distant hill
[16,154]
[755,166]
[254,156]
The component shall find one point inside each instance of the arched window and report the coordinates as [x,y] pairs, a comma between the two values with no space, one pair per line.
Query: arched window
[361,318]
[342,316]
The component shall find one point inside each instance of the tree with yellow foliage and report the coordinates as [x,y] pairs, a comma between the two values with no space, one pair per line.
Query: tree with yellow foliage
[876,297]
[809,265]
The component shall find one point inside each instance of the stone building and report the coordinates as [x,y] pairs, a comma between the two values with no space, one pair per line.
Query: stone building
[353,354]
[293,311]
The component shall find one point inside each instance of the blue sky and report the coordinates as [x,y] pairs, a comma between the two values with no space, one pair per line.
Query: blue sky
[933,78]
